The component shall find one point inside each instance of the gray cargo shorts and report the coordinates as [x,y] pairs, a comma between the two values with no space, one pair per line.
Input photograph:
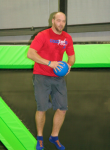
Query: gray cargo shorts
[54,86]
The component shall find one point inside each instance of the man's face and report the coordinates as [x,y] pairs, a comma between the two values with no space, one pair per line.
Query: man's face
[59,22]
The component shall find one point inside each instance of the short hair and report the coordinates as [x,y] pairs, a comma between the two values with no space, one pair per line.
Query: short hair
[56,13]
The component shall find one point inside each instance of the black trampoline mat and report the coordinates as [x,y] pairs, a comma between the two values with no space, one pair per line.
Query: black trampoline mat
[87,122]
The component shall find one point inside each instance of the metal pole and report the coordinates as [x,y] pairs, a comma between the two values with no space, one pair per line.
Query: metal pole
[63,8]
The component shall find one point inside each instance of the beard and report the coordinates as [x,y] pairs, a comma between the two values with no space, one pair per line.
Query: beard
[58,28]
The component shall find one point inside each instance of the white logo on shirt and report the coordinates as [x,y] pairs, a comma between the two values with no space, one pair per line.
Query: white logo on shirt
[60,42]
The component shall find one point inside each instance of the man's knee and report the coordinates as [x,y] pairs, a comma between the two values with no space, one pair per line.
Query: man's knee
[62,111]
[40,112]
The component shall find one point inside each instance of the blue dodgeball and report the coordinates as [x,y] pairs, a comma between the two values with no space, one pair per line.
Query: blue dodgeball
[63,71]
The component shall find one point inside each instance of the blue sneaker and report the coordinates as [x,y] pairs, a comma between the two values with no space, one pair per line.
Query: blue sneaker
[57,143]
[39,145]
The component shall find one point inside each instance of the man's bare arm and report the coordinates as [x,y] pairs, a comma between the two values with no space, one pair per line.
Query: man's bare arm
[33,55]
[71,60]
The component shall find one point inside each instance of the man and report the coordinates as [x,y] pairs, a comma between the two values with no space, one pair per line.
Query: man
[46,50]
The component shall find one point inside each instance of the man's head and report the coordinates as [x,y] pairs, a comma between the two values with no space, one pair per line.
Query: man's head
[58,22]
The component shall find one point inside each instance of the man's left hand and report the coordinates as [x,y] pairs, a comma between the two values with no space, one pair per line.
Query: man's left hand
[68,69]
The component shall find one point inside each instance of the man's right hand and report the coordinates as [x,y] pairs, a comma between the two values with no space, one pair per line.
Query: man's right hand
[55,64]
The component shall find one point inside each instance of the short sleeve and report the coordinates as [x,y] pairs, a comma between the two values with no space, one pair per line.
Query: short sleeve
[70,48]
[38,41]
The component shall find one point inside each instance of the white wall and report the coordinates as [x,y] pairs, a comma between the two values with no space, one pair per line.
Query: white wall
[36,13]
[88,11]
[91,36]
[77,37]
[26,13]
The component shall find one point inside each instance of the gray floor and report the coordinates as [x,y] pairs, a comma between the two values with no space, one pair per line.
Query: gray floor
[87,122]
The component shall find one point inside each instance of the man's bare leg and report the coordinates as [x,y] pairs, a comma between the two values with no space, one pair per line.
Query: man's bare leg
[57,123]
[40,121]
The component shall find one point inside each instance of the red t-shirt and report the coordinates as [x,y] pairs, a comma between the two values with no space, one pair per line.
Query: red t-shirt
[51,46]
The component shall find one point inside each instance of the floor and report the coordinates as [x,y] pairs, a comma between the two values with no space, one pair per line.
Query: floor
[87,122]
